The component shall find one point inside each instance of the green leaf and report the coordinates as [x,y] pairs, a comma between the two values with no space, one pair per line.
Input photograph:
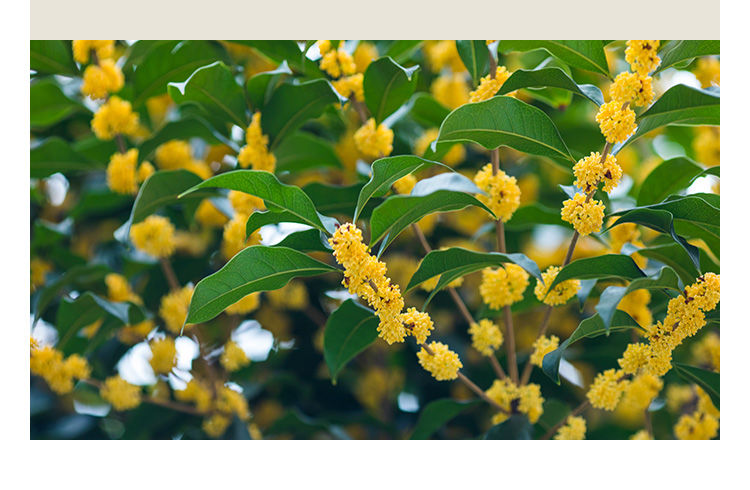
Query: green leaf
[680,105]
[267,187]
[260,86]
[52,57]
[387,85]
[444,192]
[79,276]
[476,58]
[291,106]
[262,218]
[172,61]
[402,50]
[184,129]
[675,256]
[587,55]
[304,151]
[162,189]
[438,413]
[526,217]
[255,268]
[73,315]
[289,51]
[680,50]
[386,171]
[455,262]
[311,240]
[426,110]
[612,295]
[215,91]
[709,234]
[516,427]
[602,267]
[667,178]
[504,121]
[708,380]
[591,327]
[55,155]
[550,77]
[349,330]
[49,105]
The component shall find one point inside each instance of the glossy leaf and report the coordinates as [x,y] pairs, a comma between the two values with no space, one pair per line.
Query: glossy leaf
[259,87]
[610,266]
[83,275]
[184,129]
[387,85]
[304,151]
[52,57]
[311,240]
[504,121]
[215,91]
[550,77]
[262,218]
[675,256]
[680,50]
[528,216]
[668,177]
[256,268]
[49,105]
[162,189]
[401,50]
[438,413]
[516,427]
[74,315]
[349,330]
[708,380]
[55,155]
[267,187]
[591,327]
[587,54]
[476,58]
[424,109]
[289,51]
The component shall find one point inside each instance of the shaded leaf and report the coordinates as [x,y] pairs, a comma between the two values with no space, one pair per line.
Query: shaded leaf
[303,151]
[550,77]
[516,427]
[311,240]
[163,188]
[675,256]
[424,109]
[184,129]
[708,380]
[49,105]
[667,178]
[387,85]
[528,216]
[680,50]
[260,86]
[602,267]
[587,55]
[476,58]
[83,275]
[438,413]
[52,57]
[73,315]
[55,155]
[349,330]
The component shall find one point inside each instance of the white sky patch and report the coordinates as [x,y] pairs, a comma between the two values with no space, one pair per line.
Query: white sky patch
[408,402]
[273,234]
[702,184]
[57,188]
[549,237]
[134,366]
[254,340]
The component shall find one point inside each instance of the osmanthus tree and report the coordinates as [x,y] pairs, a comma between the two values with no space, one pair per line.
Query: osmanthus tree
[375,239]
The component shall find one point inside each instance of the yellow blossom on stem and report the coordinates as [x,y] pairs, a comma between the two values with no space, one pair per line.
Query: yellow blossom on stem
[707,145]
[209,215]
[233,237]
[606,389]
[707,351]
[244,203]
[59,373]
[442,54]
[632,87]
[120,394]
[510,397]
[405,184]
[82,49]
[586,216]
[641,391]
[145,170]
[233,357]
[543,346]
[118,289]
[154,235]
[708,71]
[113,117]
[590,171]
[255,153]
[503,286]
[442,363]
[374,140]
[197,393]
[121,174]
[503,194]
[616,123]
[451,90]
[573,430]
[705,291]
[232,402]
[642,56]
[174,308]
[163,355]
[101,80]
[561,293]
[418,324]
[634,358]
[486,336]
[488,86]
[173,154]
[338,62]
[293,296]
[696,426]
[216,425]
[351,86]
[244,305]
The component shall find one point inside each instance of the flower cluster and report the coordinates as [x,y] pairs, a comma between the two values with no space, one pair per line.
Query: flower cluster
[451,90]
[586,215]
[503,194]
[593,169]
[102,79]
[374,140]
[154,235]
[59,372]
[255,153]
[543,346]
[234,237]
[573,430]
[561,293]
[163,355]
[114,117]
[642,56]
[607,388]
[351,86]
[486,336]
[503,286]
[208,215]
[122,176]
[489,85]
[616,121]
[174,308]
[82,49]
[336,62]
[633,88]
[176,154]
[233,357]
[708,71]
[440,361]
[120,394]
[513,399]
[455,155]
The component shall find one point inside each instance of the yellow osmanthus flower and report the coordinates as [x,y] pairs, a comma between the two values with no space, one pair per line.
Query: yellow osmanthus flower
[642,56]
[209,215]
[607,388]
[503,194]
[365,276]
[101,80]
[39,269]
[158,107]
[233,357]
[590,171]
[132,334]
[543,346]
[561,293]
[118,289]
[351,85]
[634,358]
[82,49]
[173,154]
[174,308]
[696,426]
[586,216]
[450,90]
[121,173]
[707,351]
[59,372]
[442,54]
[443,364]
[677,396]
[364,54]
[114,117]
[641,435]
[528,399]
[255,153]
[244,203]
[163,355]
[405,184]
[324,46]
[216,425]
[196,392]
[145,170]
[120,394]
[708,71]
[154,235]
[503,286]
[455,155]
[633,88]
[616,123]
[707,145]
[636,304]
[231,402]
[233,237]
[488,86]
[641,391]
[374,140]
[245,305]
[573,430]
[486,336]
[418,324]
[293,296]
[338,62]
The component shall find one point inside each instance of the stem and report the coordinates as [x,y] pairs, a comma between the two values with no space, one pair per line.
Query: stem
[166,267]
[361,109]
[510,345]
[542,330]
[500,233]
[647,422]
[571,248]
[154,401]
[493,63]
[121,147]
[580,408]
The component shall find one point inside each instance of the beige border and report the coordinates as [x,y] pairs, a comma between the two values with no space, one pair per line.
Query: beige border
[375,19]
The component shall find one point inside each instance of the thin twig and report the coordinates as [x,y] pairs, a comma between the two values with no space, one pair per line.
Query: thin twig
[647,422]
[166,267]
[360,108]
[542,330]
[121,147]
[154,401]
[497,367]
[580,408]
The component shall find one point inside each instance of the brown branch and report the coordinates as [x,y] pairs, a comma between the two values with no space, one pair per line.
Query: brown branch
[121,147]
[647,423]
[580,408]
[166,267]
[360,108]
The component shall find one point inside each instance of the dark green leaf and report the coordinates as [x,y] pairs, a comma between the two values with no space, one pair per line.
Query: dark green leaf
[528,216]
[349,330]
[675,256]
[438,413]
[260,86]
[306,241]
[426,110]
[303,151]
[184,129]
[73,315]
[550,77]
[680,50]
[708,380]
[78,276]
[289,51]
[516,427]
[587,55]
[476,58]
[55,155]
[49,105]
[602,267]
[262,218]
[402,50]
[387,85]
[52,57]
[504,121]
[162,189]
[668,177]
